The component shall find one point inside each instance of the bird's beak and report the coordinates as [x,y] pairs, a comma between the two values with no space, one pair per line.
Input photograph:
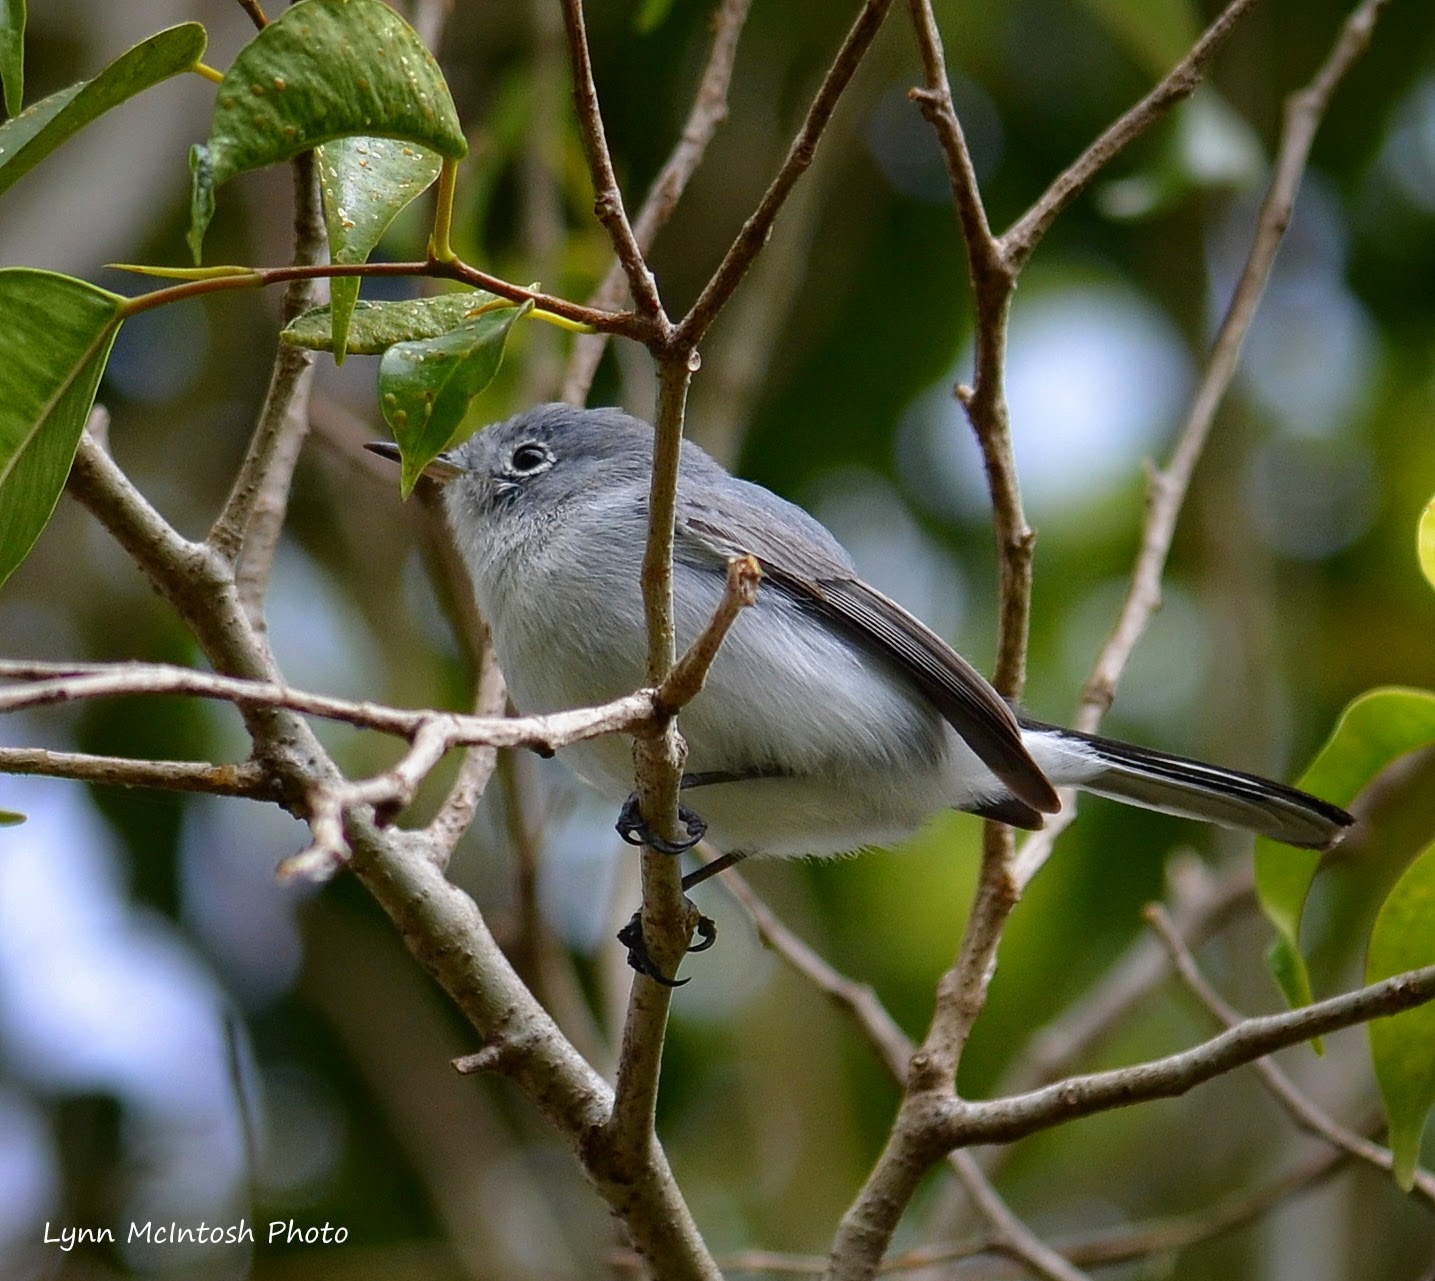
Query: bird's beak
[442,470]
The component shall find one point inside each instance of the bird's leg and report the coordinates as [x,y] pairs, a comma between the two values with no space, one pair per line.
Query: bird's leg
[633,828]
[631,935]
[635,831]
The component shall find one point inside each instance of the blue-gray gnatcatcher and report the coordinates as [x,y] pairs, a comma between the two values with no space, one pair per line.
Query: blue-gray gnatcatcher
[832,718]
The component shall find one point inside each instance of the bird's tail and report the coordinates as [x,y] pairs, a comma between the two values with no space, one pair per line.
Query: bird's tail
[1177,785]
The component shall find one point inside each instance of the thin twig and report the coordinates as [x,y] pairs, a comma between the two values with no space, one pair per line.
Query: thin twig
[55,683]
[1003,1120]
[1009,1233]
[619,322]
[608,197]
[667,918]
[1200,905]
[685,681]
[1168,487]
[708,111]
[249,526]
[758,226]
[1298,1105]
[256,14]
[329,804]
[993,281]
[458,808]
[243,779]
[1020,240]
[1124,1243]
[935,101]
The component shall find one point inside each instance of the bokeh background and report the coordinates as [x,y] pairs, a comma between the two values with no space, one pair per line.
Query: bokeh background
[181,1038]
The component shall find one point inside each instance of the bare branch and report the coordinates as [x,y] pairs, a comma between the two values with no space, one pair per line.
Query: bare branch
[244,779]
[456,813]
[54,683]
[1021,239]
[1009,1234]
[935,101]
[1169,486]
[256,14]
[667,918]
[934,1122]
[387,794]
[756,229]
[684,682]
[1129,1242]
[1003,1120]
[608,198]
[248,528]
[858,999]
[440,924]
[708,111]
[1200,905]
[1300,1107]
[993,281]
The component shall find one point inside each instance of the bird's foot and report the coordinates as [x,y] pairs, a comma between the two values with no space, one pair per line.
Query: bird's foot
[633,829]
[631,936]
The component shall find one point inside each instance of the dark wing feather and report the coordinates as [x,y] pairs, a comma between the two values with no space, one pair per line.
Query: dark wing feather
[819,575]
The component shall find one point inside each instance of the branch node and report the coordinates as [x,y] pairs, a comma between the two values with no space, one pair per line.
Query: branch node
[488,1059]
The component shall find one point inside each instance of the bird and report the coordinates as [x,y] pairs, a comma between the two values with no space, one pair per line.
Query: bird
[832,719]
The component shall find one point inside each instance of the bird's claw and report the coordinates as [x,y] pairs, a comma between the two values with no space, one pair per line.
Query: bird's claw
[631,936]
[633,829]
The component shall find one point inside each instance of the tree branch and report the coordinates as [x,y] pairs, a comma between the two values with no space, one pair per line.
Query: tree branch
[246,532]
[667,917]
[1168,487]
[244,779]
[1124,1243]
[608,197]
[1299,1106]
[1020,240]
[708,111]
[440,924]
[758,227]
[1002,1120]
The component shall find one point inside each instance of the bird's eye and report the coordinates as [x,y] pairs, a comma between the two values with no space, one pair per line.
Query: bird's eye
[529,458]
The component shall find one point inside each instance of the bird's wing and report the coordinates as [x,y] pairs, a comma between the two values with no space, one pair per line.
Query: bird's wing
[819,575]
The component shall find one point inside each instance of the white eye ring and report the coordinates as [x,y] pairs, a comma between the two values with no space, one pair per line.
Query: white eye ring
[530,458]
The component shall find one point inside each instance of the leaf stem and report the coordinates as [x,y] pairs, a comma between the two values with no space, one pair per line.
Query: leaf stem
[554,310]
[440,250]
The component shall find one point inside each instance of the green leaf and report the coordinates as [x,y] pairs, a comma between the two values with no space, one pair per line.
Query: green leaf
[53,347]
[1425,542]
[377,326]
[425,387]
[33,134]
[365,183]
[12,53]
[1373,731]
[9,818]
[1403,1045]
[324,69]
